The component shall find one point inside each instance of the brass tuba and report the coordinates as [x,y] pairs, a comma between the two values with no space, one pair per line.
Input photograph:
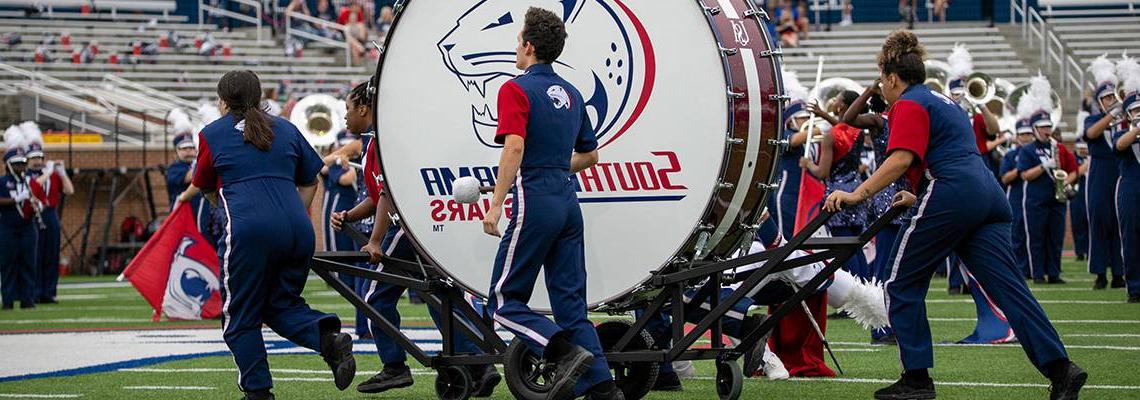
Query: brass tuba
[937,75]
[319,117]
[980,88]
[831,87]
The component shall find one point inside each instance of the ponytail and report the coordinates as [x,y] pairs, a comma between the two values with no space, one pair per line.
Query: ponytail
[241,90]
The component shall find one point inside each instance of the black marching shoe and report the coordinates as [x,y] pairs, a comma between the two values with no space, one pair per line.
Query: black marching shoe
[26,305]
[907,389]
[486,378]
[1055,280]
[753,357]
[1100,283]
[668,382]
[571,361]
[1117,282]
[258,395]
[605,391]
[1039,281]
[1067,385]
[336,350]
[391,377]
[46,300]
[886,340]
[1134,299]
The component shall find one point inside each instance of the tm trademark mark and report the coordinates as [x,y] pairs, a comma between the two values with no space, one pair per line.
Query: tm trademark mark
[437,228]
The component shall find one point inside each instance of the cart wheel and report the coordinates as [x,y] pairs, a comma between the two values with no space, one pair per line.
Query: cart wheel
[635,379]
[528,376]
[729,380]
[453,383]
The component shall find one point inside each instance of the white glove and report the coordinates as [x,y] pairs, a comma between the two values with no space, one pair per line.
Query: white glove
[1116,110]
[21,194]
[1049,163]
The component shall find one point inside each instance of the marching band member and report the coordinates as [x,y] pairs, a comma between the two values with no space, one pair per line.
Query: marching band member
[20,197]
[547,137]
[838,168]
[1038,164]
[983,122]
[931,141]
[784,202]
[180,172]
[52,177]
[1078,210]
[264,175]
[388,239]
[339,184]
[1128,185]
[1015,193]
[1100,127]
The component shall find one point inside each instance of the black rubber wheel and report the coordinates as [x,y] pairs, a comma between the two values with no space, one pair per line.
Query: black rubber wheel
[729,380]
[528,376]
[454,383]
[635,379]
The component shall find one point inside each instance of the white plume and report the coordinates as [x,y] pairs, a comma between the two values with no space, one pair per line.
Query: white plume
[1131,85]
[1103,70]
[961,62]
[792,86]
[14,137]
[1038,97]
[179,122]
[32,133]
[1081,117]
[208,113]
[1127,68]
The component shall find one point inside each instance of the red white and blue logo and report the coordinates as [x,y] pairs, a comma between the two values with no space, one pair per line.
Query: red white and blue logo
[611,62]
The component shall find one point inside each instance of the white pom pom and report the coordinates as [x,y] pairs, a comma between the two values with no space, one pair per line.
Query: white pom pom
[466,190]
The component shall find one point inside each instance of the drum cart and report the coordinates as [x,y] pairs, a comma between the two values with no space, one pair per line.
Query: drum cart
[629,349]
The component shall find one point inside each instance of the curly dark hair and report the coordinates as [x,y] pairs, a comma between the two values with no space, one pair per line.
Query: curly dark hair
[903,55]
[363,94]
[546,32]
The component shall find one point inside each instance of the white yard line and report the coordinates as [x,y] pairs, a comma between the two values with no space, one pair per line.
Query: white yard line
[1011,345]
[1104,335]
[169,387]
[74,320]
[971,301]
[1055,321]
[974,384]
[38,396]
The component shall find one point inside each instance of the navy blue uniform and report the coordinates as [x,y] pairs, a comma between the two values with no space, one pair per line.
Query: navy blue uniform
[1128,209]
[933,128]
[176,184]
[1100,201]
[337,198]
[268,240]
[783,203]
[550,115]
[1044,215]
[1078,216]
[18,237]
[1015,193]
[48,243]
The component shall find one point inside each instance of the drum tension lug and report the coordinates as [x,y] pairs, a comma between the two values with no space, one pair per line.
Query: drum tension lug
[769,53]
[767,186]
[725,185]
[735,95]
[779,97]
[752,12]
[778,142]
[712,10]
[728,51]
[732,140]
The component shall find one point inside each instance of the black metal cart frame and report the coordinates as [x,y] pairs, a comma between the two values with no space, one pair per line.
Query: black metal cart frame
[443,295]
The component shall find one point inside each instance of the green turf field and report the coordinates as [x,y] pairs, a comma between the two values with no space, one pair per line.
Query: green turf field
[1101,330]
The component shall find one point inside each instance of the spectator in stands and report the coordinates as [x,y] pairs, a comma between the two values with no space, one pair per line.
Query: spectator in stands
[907,10]
[384,23]
[939,9]
[846,20]
[325,11]
[272,107]
[353,18]
[790,23]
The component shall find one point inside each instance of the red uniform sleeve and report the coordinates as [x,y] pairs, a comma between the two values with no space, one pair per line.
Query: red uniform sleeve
[910,128]
[372,173]
[205,176]
[1067,160]
[980,134]
[514,111]
[844,136]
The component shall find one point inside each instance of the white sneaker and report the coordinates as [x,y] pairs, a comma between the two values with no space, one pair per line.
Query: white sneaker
[846,21]
[684,369]
[773,367]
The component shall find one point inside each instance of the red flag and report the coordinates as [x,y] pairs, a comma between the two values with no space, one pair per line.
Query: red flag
[177,270]
[810,199]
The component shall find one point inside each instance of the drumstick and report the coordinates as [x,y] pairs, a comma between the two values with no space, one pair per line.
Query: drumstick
[809,150]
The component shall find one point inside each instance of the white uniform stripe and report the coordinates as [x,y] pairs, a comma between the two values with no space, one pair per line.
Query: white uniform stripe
[1088,216]
[902,248]
[1119,226]
[520,207]
[226,270]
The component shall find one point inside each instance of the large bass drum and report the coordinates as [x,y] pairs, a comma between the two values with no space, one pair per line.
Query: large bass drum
[684,97]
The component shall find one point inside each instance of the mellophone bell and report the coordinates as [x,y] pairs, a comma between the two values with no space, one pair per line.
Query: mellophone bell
[661,220]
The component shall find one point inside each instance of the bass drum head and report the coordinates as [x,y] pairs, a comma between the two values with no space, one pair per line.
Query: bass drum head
[655,89]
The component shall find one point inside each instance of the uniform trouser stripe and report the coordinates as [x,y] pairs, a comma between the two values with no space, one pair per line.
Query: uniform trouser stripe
[508,261]
[902,251]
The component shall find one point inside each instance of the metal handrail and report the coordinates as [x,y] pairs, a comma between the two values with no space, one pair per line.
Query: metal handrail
[289,32]
[203,8]
[1038,32]
[34,77]
[169,98]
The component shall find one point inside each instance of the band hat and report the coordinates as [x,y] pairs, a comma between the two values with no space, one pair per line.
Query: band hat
[1104,74]
[797,95]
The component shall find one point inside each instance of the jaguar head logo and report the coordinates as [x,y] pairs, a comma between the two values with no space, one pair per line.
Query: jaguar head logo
[608,57]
